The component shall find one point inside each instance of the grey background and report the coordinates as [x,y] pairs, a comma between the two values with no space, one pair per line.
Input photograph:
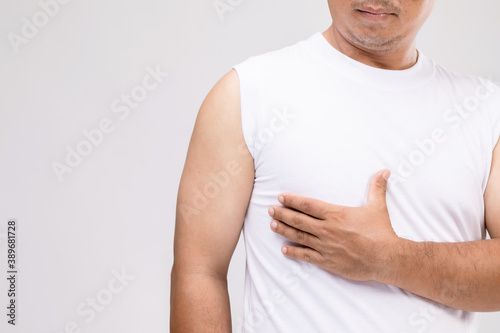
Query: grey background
[116,209]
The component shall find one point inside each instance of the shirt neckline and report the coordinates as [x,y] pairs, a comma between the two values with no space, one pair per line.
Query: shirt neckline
[409,78]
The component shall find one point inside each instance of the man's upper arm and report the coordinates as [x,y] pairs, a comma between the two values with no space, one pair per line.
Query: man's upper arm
[215,186]
[492,196]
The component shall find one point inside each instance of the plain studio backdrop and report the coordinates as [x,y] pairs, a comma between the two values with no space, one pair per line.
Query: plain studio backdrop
[91,175]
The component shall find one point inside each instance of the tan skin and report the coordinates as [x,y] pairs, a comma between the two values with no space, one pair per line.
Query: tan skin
[388,43]
[461,275]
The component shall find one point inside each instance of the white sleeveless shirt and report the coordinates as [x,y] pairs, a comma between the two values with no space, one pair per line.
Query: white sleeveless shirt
[321,124]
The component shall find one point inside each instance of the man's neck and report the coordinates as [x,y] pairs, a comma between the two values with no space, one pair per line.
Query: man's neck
[400,59]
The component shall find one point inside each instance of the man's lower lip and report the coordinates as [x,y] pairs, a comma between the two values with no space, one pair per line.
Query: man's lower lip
[375,16]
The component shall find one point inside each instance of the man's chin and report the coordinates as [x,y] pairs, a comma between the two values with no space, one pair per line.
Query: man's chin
[376,42]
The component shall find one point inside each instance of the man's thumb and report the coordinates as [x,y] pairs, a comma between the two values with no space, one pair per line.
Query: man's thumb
[378,186]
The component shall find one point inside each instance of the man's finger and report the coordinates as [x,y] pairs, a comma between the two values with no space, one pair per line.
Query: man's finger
[297,236]
[295,219]
[310,206]
[302,253]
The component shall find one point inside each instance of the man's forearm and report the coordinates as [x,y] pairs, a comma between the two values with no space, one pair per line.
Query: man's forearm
[464,276]
[199,303]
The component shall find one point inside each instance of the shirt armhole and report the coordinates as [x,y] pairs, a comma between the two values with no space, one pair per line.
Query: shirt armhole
[251,101]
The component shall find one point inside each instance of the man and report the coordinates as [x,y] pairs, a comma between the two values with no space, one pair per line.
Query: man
[366,176]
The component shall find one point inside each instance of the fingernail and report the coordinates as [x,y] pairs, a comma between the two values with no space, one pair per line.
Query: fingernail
[281,199]
[274,224]
[284,249]
[271,211]
[386,174]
